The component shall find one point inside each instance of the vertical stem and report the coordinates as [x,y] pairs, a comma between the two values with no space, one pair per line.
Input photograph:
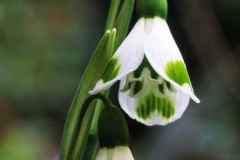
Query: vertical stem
[113,11]
[91,148]
[88,110]
[123,21]
[98,109]
[112,39]
[82,139]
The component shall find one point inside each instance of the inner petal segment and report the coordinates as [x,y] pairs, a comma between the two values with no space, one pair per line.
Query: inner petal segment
[144,80]
[151,106]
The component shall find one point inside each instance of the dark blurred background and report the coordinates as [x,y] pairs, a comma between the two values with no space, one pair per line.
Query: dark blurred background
[46,45]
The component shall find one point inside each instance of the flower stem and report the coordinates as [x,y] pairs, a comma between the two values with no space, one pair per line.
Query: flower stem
[123,21]
[86,121]
[115,4]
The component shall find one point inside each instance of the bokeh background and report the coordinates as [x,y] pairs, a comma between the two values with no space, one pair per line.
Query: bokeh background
[46,45]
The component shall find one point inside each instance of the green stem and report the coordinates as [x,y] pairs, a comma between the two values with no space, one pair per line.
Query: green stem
[91,148]
[113,11]
[82,139]
[87,111]
[123,21]
[92,144]
[111,41]
[98,110]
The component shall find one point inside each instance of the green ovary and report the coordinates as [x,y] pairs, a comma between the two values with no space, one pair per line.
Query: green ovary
[177,72]
[151,105]
[111,70]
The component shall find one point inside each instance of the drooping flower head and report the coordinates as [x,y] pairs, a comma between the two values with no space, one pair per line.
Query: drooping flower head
[154,84]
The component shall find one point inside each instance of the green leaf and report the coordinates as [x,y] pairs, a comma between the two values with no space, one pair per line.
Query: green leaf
[83,135]
[92,74]
[114,8]
[85,146]
[123,21]
[92,144]
[91,147]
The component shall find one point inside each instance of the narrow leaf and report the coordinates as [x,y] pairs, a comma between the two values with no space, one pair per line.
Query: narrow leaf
[93,72]
[123,21]
[114,8]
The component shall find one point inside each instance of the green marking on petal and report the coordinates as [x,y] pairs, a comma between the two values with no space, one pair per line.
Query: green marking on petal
[177,72]
[111,70]
[150,105]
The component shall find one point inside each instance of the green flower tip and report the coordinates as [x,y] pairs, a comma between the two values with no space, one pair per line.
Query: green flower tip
[112,128]
[152,8]
[177,72]
[112,70]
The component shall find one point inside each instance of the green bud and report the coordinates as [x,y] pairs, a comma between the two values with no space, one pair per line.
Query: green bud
[152,8]
[112,128]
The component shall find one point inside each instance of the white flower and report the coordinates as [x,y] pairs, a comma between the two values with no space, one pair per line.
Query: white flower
[116,153]
[155,87]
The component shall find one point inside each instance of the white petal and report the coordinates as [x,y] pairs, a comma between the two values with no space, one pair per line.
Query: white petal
[181,102]
[126,59]
[116,153]
[102,154]
[160,49]
[152,115]
[105,154]
[122,153]
[160,40]
[126,102]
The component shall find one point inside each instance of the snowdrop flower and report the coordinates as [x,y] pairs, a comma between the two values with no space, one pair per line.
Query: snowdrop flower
[155,88]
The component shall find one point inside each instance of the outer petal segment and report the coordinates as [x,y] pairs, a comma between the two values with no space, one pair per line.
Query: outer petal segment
[102,154]
[164,56]
[151,110]
[122,153]
[126,59]
[116,153]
